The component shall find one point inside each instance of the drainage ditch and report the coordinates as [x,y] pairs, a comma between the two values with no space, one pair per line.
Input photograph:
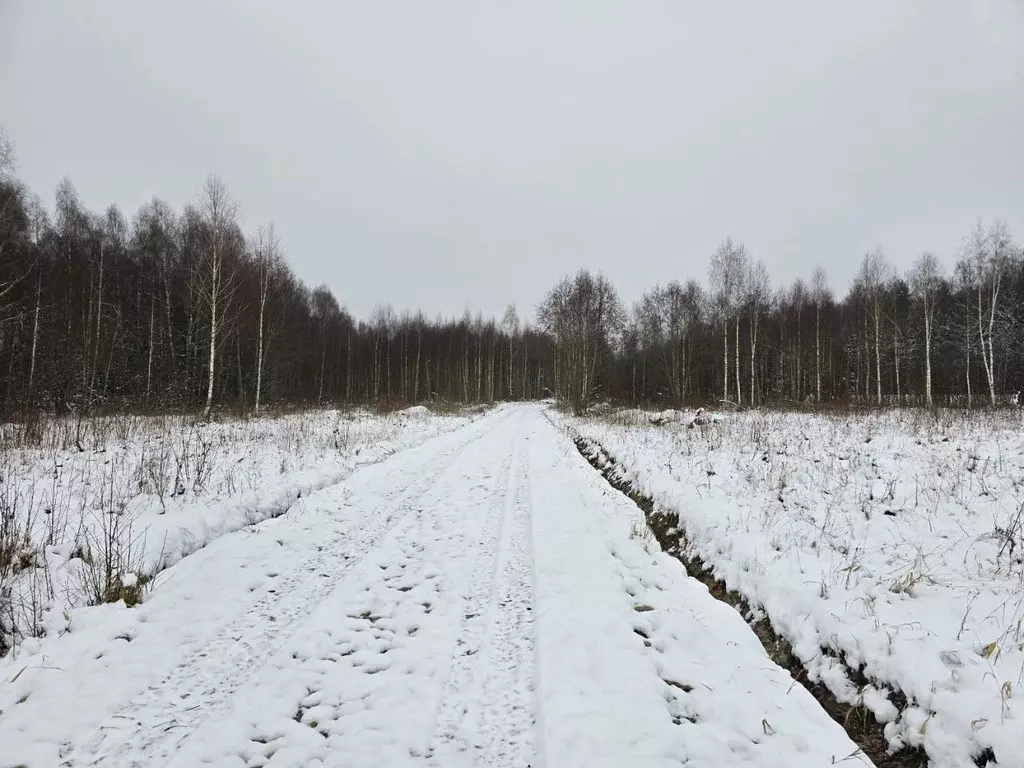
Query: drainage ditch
[858,721]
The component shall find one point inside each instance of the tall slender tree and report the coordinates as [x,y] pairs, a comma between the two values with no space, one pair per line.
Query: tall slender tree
[821,294]
[873,275]
[726,272]
[925,280]
[219,214]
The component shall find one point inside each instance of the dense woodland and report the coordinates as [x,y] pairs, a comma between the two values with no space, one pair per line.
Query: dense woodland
[929,337]
[184,310]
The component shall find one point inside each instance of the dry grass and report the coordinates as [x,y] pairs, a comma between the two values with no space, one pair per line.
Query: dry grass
[71,490]
[901,522]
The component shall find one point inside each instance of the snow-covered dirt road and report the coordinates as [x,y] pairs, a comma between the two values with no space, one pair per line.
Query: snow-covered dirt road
[483,599]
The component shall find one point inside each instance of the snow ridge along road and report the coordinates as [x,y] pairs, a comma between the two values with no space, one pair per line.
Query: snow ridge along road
[483,599]
[158,721]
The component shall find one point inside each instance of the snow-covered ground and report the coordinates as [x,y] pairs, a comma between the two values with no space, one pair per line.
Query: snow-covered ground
[481,599]
[91,506]
[894,539]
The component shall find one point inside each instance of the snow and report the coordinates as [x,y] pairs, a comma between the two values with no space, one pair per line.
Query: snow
[483,598]
[638,664]
[892,539]
[415,412]
[169,487]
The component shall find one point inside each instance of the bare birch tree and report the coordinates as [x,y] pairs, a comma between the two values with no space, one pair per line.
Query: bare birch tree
[584,315]
[987,255]
[873,275]
[382,320]
[269,264]
[219,214]
[925,279]
[964,280]
[39,222]
[726,275]
[510,325]
[820,294]
[758,294]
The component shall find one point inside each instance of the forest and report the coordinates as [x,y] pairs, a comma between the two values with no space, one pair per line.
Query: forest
[183,310]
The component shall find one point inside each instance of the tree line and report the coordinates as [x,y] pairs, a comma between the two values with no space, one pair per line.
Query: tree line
[927,337]
[182,309]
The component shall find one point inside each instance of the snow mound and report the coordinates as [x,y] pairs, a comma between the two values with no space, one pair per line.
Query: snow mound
[416,412]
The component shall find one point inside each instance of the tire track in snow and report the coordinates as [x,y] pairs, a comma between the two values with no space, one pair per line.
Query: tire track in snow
[360,683]
[155,723]
[486,716]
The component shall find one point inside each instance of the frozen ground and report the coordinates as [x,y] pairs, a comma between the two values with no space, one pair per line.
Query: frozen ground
[89,507]
[892,539]
[483,599]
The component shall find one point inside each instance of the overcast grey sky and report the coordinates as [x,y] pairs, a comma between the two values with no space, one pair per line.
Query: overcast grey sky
[445,154]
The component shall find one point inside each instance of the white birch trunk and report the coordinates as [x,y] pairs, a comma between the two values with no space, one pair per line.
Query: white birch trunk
[35,331]
[878,358]
[817,351]
[259,343]
[214,291]
[991,334]
[753,351]
[736,352]
[99,320]
[927,352]
[149,358]
[725,391]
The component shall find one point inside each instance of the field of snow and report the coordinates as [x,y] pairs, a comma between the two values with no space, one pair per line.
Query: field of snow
[90,510]
[481,599]
[892,540]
